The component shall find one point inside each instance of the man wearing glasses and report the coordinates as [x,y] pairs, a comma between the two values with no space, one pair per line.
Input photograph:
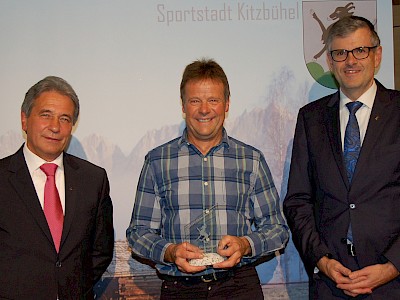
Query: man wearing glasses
[343,198]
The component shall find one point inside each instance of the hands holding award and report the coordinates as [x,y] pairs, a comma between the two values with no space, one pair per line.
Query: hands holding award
[205,247]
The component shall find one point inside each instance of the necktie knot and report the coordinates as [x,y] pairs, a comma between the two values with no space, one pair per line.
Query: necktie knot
[49,169]
[353,107]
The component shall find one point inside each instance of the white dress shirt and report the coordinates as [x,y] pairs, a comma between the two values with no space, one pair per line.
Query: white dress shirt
[363,113]
[39,177]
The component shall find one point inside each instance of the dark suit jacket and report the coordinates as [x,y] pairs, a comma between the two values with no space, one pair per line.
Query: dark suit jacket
[30,267]
[317,204]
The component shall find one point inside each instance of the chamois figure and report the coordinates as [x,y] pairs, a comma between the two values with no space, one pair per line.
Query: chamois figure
[339,13]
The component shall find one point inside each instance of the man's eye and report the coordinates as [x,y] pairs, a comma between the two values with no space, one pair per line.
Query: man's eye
[65,120]
[361,50]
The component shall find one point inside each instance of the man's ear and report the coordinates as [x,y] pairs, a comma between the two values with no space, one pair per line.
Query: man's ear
[183,107]
[24,121]
[329,61]
[378,57]
[227,103]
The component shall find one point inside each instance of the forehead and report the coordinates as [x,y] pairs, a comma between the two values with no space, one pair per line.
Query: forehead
[207,83]
[360,37]
[53,100]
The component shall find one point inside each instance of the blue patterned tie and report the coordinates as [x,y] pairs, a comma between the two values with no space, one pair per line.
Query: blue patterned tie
[352,146]
[352,143]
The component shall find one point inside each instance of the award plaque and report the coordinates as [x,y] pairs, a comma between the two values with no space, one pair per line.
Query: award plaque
[205,233]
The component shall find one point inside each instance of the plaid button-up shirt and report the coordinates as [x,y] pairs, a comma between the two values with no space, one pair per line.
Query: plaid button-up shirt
[183,195]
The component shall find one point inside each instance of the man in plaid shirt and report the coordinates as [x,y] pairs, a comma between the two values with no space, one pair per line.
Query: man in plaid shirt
[215,184]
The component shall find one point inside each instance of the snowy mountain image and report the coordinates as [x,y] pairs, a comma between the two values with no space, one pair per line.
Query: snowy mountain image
[268,127]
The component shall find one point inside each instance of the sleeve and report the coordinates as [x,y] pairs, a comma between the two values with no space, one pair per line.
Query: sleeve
[144,231]
[392,253]
[271,232]
[103,246]
[299,201]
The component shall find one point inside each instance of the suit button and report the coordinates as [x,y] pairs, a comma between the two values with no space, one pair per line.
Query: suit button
[58,264]
[352,206]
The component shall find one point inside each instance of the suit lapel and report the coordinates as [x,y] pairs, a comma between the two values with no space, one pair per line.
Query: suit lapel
[23,185]
[380,116]
[332,124]
[72,179]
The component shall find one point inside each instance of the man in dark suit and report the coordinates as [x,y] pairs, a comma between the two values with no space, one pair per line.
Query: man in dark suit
[43,256]
[343,198]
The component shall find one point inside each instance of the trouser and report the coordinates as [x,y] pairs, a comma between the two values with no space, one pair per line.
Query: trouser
[242,284]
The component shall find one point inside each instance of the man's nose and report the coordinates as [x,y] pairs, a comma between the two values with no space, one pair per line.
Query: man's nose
[351,59]
[55,124]
[204,107]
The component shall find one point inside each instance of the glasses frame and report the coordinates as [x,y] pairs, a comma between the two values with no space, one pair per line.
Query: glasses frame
[351,51]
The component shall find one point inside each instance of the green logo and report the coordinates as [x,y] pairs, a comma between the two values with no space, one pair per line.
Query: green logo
[321,76]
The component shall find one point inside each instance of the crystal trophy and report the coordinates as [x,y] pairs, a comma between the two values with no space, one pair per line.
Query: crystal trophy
[205,233]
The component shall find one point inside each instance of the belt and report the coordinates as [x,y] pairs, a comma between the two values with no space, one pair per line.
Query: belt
[190,280]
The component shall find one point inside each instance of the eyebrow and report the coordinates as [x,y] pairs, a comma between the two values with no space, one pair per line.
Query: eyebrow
[46,110]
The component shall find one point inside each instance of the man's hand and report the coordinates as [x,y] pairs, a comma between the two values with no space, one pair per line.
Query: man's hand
[179,254]
[234,248]
[334,270]
[338,273]
[365,280]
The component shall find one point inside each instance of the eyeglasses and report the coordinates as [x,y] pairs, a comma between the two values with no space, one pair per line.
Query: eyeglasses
[359,53]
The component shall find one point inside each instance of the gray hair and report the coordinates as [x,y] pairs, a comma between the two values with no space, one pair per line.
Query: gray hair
[50,83]
[348,25]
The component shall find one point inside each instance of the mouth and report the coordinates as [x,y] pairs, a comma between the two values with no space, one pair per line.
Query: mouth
[50,139]
[351,71]
[204,120]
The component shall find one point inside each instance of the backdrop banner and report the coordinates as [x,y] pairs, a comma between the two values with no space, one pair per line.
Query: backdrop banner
[125,60]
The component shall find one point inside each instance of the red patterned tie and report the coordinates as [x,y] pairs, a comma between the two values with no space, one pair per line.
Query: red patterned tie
[52,204]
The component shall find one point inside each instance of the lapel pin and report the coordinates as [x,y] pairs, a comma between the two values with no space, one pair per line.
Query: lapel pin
[376,118]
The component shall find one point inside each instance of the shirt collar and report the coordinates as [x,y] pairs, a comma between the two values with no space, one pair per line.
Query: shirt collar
[224,142]
[367,98]
[34,162]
